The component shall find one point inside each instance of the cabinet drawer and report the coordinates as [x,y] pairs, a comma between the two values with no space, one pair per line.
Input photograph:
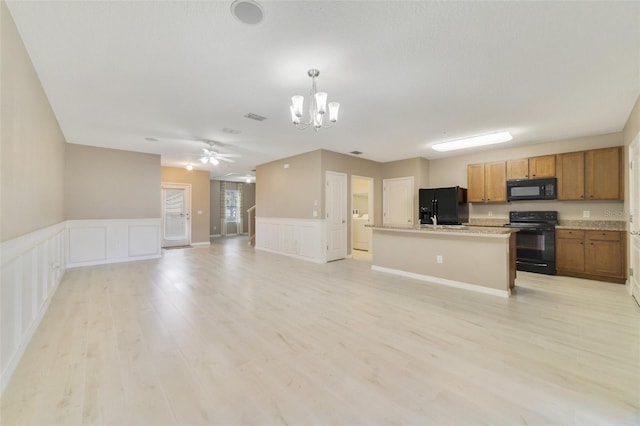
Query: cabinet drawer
[570,233]
[603,235]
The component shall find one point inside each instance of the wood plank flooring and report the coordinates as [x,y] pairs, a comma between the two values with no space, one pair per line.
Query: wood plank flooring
[231,336]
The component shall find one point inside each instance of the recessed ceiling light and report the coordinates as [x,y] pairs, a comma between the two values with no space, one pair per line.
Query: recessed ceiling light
[247,11]
[189,167]
[474,141]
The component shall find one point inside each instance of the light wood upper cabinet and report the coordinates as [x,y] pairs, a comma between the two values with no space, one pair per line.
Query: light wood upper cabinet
[590,175]
[518,169]
[603,172]
[570,170]
[544,166]
[487,182]
[475,183]
[496,181]
[534,167]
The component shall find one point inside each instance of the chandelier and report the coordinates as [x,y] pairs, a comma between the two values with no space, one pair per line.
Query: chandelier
[317,107]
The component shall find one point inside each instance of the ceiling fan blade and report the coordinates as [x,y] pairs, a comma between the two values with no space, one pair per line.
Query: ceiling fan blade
[228,155]
[226,159]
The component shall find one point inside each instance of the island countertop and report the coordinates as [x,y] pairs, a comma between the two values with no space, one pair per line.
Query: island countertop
[490,231]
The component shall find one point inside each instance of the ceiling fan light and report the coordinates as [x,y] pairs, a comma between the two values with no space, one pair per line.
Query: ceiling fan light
[214,161]
[333,111]
[474,141]
[204,160]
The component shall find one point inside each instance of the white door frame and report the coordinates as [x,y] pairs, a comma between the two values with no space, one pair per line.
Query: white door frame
[634,218]
[187,188]
[336,248]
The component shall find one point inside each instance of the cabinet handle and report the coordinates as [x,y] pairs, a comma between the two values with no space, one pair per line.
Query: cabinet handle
[533,175]
[581,243]
[582,196]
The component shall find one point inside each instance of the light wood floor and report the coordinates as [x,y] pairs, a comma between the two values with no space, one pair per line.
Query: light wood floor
[226,335]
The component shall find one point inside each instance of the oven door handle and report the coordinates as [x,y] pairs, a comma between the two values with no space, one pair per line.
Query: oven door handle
[531,263]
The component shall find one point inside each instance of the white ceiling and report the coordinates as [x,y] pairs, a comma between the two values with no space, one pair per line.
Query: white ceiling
[408,74]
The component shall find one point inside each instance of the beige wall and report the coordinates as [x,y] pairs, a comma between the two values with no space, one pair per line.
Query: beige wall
[102,183]
[200,198]
[292,192]
[453,171]
[31,143]
[248,200]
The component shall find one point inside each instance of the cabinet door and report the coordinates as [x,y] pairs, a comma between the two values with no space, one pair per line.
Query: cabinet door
[570,254]
[544,166]
[518,169]
[475,183]
[496,181]
[570,171]
[603,174]
[604,254]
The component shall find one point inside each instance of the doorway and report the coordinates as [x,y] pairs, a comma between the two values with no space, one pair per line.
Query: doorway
[176,214]
[634,217]
[361,212]
[336,215]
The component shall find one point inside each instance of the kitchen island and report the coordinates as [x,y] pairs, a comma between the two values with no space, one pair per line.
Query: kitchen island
[475,258]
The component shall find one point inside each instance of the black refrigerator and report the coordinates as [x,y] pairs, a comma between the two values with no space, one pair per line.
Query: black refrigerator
[448,205]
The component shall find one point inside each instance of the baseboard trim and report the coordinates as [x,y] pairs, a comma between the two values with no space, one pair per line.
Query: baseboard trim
[207,243]
[443,281]
[295,256]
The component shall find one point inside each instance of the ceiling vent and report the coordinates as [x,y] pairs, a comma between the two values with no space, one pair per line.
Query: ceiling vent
[256,117]
[231,131]
[356,152]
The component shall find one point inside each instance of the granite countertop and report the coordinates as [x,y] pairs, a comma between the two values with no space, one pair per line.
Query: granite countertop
[448,229]
[593,225]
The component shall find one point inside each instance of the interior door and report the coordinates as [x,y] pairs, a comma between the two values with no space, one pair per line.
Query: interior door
[634,210]
[176,215]
[397,201]
[336,213]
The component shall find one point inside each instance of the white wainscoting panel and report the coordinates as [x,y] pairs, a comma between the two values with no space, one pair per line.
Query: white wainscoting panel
[299,238]
[95,242]
[31,269]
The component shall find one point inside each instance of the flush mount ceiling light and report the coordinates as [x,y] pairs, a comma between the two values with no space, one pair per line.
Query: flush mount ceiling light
[474,141]
[317,107]
[247,11]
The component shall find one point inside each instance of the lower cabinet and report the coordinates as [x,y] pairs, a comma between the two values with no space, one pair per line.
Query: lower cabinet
[598,255]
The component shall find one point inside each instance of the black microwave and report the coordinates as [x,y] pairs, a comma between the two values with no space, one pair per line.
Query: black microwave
[532,189]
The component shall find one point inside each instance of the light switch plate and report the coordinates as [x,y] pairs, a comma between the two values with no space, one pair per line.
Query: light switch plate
[586,213]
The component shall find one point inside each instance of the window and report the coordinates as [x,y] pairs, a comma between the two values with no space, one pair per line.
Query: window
[232,205]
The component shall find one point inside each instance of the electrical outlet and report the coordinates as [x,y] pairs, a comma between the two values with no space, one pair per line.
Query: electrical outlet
[490,213]
[315,213]
[586,213]
[439,259]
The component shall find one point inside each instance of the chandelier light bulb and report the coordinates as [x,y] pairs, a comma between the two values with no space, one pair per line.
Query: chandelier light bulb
[333,111]
[297,104]
[321,102]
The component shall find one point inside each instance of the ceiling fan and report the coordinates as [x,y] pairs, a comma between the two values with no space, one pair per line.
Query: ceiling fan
[210,155]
